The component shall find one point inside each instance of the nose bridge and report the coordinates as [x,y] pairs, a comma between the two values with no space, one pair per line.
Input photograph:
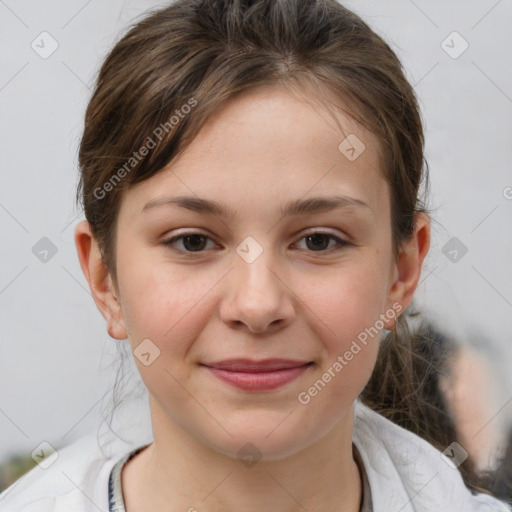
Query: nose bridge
[257,297]
[255,275]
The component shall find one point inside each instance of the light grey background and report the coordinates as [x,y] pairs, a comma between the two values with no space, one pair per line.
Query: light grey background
[56,360]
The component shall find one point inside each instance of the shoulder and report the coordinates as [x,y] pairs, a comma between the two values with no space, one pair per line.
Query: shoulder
[77,476]
[406,473]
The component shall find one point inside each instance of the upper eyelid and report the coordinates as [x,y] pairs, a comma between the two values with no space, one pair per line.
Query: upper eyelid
[311,231]
[306,233]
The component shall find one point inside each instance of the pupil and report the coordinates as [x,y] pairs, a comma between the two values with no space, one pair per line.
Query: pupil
[194,238]
[317,237]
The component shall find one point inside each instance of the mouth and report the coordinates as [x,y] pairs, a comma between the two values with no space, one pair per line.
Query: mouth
[251,375]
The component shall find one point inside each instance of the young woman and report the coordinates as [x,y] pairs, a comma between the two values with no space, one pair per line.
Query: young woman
[250,176]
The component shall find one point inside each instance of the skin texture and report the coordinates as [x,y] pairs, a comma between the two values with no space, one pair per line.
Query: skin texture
[298,299]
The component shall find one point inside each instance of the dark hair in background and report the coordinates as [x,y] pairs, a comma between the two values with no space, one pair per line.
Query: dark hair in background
[501,480]
[214,50]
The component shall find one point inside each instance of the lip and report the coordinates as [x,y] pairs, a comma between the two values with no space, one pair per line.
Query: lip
[261,375]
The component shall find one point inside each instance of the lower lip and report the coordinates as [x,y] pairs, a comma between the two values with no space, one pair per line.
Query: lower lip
[259,381]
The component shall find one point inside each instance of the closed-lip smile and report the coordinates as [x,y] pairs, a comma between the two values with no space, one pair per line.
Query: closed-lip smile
[249,374]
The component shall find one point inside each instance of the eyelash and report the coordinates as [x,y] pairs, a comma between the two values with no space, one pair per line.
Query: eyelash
[340,242]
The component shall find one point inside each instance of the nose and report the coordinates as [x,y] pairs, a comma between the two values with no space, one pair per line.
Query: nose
[257,297]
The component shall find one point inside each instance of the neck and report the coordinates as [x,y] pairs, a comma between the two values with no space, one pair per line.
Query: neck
[179,473]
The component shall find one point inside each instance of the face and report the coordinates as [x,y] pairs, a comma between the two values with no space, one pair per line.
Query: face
[262,280]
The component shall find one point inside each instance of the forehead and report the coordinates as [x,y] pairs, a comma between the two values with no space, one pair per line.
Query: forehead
[272,144]
[285,121]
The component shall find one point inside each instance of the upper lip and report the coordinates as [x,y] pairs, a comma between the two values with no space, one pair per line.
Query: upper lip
[249,365]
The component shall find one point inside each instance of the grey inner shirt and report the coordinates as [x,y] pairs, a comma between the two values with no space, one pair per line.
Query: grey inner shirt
[115,491]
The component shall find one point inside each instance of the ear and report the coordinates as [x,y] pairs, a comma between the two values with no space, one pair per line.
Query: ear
[100,281]
[407,268]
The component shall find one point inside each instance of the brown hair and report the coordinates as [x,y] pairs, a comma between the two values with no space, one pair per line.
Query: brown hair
[199,53]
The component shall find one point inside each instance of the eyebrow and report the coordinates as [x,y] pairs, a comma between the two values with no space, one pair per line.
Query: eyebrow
[293,208]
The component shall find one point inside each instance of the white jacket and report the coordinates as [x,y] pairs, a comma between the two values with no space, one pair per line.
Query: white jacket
[405,474]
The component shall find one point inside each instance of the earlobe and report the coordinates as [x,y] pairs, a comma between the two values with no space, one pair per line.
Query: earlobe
[100,281]
[409,265]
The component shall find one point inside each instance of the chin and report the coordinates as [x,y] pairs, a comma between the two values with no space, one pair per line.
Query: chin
[252,449]
[264,438]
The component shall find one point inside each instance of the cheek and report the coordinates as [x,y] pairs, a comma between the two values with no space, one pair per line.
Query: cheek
[349,299]
[168,308]
[345,311]
[350,347]
[161,303]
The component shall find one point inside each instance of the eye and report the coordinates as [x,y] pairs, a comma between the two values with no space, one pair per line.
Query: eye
[318,241]
[193,242]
